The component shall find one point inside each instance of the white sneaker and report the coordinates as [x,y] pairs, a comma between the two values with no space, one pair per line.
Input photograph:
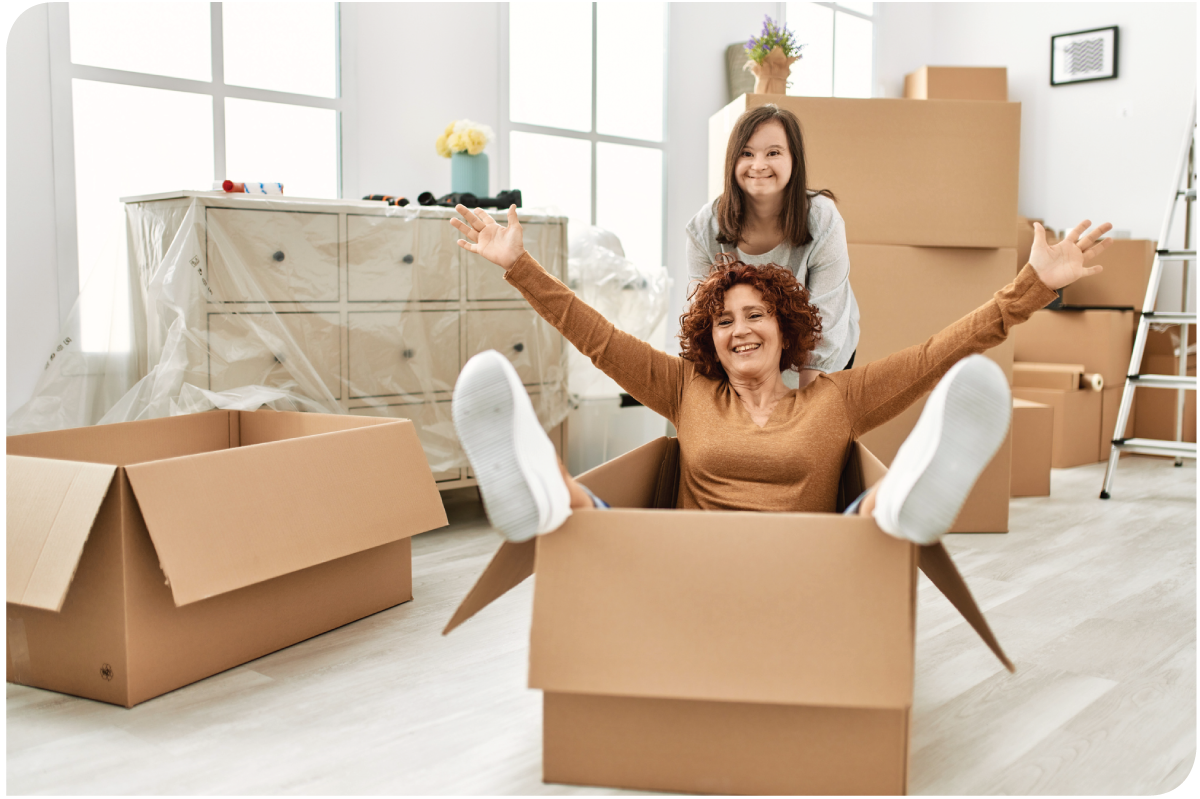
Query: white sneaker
[963,424]
[517,468]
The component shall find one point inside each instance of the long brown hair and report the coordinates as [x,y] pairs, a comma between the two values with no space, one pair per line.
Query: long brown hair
[731,205]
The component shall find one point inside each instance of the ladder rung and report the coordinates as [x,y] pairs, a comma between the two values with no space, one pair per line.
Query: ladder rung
[1176,255]
[1148,446]
[1163,381]
[1170,317]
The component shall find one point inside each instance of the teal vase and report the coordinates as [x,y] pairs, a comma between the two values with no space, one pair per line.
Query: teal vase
[469,173]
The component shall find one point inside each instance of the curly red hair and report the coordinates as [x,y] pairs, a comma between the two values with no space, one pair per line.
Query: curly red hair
[799,321]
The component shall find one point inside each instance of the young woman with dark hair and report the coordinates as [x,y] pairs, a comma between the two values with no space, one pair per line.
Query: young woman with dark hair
[746,440]
[767,214]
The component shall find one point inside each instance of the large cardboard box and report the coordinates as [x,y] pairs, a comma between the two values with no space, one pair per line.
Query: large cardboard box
[1101,340]
[1123,282]
[907,294]
[957,83]
[936,174]
[1077,422]
[722,652]
[148,555]
[1032,437]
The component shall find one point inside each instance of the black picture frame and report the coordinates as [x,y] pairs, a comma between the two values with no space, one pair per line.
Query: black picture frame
[1093,47]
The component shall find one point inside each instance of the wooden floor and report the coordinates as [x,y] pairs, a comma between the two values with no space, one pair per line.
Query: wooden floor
[1094,601]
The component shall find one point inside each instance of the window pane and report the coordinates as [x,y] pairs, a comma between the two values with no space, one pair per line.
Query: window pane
[862,8]
[812,75]
[853,54]
[553,172]
[130,140]
[629,199]
[284,47]
[630,41]
[156,38]
[550,64]
[276,143]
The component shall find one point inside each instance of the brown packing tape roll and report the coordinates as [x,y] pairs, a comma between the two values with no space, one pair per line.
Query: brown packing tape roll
[1093,381]
[18,651]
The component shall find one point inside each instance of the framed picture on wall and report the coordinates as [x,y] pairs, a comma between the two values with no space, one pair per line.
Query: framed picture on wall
[1083,56]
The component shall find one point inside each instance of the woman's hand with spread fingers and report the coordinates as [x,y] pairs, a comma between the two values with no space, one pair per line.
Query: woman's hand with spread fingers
[484,236]
[1066,262]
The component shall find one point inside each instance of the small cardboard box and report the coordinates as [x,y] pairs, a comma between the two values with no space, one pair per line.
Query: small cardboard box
[935,174]
[957,83]
[1062,376]
[1101,340]
[147,555]
[722,652]
[1032,445]
[907,294]
[1077,421]
[1124,280]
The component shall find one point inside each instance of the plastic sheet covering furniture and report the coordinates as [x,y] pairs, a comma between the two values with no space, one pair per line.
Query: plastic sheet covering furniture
[323,305]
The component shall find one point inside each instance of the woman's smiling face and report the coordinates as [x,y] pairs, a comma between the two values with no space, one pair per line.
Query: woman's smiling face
[746,336]
[765,165]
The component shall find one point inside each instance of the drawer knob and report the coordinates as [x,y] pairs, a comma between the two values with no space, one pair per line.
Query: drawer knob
[408,259]
[278,256]
[280,357]
[519,347]
[409,353]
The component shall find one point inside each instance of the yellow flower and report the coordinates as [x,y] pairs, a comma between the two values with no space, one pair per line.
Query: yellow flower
[442,149]
[476,140]
[456,142]
[450,128]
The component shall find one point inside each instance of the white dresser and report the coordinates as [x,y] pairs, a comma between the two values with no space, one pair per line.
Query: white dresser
[353,304]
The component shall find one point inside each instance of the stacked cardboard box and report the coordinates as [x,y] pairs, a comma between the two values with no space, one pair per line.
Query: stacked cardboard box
[1097,343]
[1123,282]
[1155,409]
[1032,433]
[148,555]
[957,83]
[927,244]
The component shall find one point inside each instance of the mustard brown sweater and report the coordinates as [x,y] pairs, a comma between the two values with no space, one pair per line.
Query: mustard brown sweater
[794,462]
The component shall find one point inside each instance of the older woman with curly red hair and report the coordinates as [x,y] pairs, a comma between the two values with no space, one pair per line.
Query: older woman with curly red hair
[746,440]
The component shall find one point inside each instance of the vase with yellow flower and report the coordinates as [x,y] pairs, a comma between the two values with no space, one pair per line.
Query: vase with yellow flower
[463,142]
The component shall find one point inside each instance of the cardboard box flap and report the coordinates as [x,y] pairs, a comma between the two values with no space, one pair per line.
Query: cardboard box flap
[51,507]
[939,568]
[508,568]
[645,477]
[225,520]
[725,606]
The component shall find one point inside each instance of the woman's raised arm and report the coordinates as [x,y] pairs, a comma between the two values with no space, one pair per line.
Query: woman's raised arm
[650,376]
[880,390]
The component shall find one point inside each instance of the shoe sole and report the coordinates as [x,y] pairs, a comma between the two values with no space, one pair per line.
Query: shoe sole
[484,414]
[972,423]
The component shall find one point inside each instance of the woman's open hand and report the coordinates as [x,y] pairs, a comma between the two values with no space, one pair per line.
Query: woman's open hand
[1066,262]
[500,245]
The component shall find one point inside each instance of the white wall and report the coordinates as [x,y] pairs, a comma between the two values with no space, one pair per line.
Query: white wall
[418,67]
[32,265]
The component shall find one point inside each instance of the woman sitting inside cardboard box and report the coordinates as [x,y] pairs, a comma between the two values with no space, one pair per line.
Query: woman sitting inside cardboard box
[746,440]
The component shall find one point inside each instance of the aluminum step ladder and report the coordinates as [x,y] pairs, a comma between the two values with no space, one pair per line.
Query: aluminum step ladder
[1182,189]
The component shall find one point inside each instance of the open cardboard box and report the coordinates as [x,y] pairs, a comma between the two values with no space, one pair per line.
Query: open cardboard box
[147,555]
[722,652]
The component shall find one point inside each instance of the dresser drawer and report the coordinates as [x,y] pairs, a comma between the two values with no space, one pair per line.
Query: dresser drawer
[435,429]
[276,256]
[248,349]
[534,347]
[393,259]
[485,280]
[410,352]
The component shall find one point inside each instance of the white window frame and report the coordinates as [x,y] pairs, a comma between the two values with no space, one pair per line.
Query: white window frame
[507,125]
[838,8]
[63,72]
